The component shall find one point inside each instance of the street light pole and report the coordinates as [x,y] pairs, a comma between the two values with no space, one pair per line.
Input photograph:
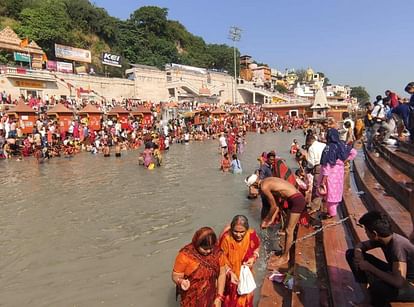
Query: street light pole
[235,35]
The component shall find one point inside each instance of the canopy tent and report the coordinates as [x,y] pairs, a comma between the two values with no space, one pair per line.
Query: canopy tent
[140,110]
[90,109]
[236,112]
[218,112]
[118,110]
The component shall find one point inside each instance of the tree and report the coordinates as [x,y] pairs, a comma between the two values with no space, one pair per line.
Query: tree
[88,18]
[360,93]
[301,73]
[281,89]
[47,23]
[223,58]
[12,8]
[151,19]
[6,57]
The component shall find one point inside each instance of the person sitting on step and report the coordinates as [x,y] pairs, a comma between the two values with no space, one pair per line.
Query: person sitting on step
[383,282]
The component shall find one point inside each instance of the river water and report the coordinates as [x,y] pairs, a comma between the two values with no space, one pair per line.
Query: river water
[94,231]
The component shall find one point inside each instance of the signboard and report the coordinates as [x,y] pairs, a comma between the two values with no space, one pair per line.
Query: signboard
[74,54]
[30,83]
[111,59]
[80,70]
[51,65]
[21,57]
[37,61]
[64,67]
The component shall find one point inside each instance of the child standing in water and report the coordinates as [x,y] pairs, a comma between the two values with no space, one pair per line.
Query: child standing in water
[117,149]
[157,155]
[147,155]
[225,163]
[106,150]
[235,167]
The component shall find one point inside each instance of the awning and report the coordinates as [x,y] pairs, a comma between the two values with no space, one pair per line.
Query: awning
[189,114]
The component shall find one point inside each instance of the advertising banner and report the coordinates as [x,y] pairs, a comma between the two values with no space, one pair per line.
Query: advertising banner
[74,54]
[80,70]
[37,61]
[51,65]
[64,67]
[21,57]
[111,59]
[30,83]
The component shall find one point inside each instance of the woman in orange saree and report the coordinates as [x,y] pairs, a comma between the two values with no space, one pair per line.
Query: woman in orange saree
[240,245]
[199,271]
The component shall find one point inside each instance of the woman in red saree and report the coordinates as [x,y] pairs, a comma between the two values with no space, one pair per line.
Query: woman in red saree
[199,271]
[240,245]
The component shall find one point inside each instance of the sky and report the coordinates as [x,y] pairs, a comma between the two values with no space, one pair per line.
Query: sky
[366,43]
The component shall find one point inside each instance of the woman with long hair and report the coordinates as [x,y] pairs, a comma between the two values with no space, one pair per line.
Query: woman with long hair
[199,271]
[240,245]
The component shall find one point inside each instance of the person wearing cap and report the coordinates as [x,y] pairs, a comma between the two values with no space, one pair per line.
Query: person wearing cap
[270,188]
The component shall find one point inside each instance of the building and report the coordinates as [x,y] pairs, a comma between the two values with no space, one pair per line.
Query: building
[181,83]
[318,107]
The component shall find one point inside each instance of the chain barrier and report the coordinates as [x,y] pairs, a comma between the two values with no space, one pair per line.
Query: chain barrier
[267,236]
[321,229]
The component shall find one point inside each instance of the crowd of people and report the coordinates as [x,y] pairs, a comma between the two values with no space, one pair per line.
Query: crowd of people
[314,191]
[48,139]
[208,271]
[390,115]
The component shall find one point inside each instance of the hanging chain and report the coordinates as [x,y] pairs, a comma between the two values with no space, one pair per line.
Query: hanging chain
[321,229]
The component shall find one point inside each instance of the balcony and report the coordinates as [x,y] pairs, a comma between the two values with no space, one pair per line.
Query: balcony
[23,73]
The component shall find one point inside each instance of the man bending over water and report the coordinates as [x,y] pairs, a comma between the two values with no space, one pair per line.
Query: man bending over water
[270,188]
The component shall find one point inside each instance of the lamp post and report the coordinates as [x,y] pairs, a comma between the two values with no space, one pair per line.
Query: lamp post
[235,35]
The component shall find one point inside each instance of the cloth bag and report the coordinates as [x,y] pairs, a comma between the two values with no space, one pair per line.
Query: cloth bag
[246,281]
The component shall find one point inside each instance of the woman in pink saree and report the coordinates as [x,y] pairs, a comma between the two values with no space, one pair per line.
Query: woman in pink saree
[333,159]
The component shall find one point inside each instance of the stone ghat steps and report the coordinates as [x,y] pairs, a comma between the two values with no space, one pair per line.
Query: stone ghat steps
[400,159]
[308,281]
[376,197]
[321,273]
[396,182]
[406,147]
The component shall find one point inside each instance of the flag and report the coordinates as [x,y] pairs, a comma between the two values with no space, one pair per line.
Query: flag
[44,57]
[24,43]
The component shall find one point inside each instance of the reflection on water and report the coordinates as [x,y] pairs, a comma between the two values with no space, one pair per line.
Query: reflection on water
[93,231]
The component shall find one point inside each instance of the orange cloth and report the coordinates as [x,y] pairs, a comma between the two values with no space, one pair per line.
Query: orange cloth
[235,254]
[225,163]
[187,265]
[201,270]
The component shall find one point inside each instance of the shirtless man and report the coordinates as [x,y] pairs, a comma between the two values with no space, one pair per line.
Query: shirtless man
[269,187]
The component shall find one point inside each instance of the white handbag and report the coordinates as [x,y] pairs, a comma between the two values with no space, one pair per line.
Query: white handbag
[246,281]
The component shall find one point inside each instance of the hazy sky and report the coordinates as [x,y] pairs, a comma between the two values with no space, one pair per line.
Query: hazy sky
[356,42]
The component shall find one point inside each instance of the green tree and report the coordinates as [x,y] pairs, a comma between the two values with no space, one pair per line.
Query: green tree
[281,89]
[6,57]
[12,8]
[151,19]
[301,73]
[223,58]
[47,23]
[91,19]
[360,93]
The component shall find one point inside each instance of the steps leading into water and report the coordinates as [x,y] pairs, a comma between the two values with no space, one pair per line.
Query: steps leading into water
[382,183]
